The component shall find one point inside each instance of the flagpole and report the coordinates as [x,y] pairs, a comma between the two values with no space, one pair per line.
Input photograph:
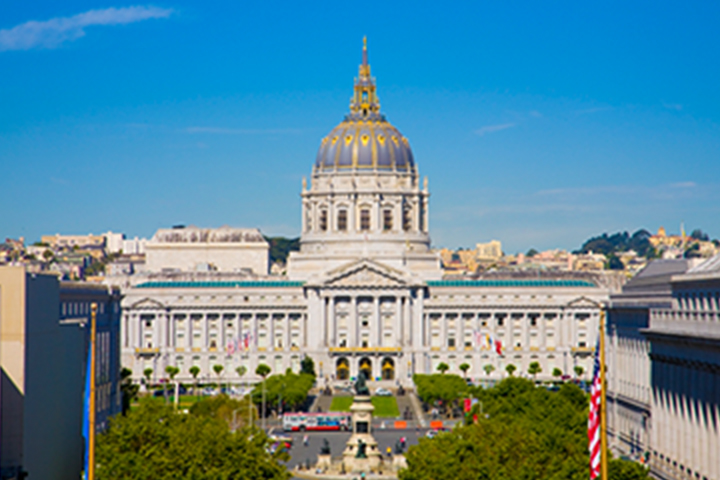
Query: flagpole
[603,402]
[91,413]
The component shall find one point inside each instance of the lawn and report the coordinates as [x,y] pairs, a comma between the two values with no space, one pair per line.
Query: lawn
[384,406]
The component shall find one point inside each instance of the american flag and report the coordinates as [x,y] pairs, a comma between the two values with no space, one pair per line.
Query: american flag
[594,418]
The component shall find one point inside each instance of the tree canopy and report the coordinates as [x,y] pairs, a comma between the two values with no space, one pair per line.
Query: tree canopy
[292,387]
[443,387]
[280,248]
[154,442]
[523,433]
[620,242]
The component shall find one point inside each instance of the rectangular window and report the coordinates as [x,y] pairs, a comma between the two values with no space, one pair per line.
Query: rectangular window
[387,219]
[323,220]
[451,342]
[407,220]
[364,219]
[342,220]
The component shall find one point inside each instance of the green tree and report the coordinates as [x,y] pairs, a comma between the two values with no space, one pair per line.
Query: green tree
[464,367]
[527,432]
[128,389]
[445,388]
[307,365]
[154,442]
[241,370]
[443,367]
[534,369]
[172,371]
[531,253]
[579,370]
[510,369]
[218,369]
[194,371]
[262,370]
[557,373]
[489,369]
[147,373]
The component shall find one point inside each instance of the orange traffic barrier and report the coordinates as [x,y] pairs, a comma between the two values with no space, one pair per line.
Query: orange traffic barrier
[400,424]
[436,424]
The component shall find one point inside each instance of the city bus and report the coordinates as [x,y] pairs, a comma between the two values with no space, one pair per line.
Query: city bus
[293,422]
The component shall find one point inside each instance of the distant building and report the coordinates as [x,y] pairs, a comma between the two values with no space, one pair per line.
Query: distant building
[44,342]
[488,252]
[114,242]
[58,241]
[134,246]
[222,249]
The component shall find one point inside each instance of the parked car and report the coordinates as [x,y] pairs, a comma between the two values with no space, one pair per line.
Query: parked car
[209,392]
[383,392]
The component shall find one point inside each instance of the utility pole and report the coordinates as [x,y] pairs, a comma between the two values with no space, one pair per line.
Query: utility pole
[91,414]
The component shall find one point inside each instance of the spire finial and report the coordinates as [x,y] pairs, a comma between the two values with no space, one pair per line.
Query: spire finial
[365,55]
[364,101]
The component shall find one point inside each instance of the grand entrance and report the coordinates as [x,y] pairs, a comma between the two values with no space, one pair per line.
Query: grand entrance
[342,369]
[365,367]
[388,369]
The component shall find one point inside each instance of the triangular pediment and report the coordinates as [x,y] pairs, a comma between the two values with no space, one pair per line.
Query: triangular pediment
[583,302]
[365,273]
[148,303]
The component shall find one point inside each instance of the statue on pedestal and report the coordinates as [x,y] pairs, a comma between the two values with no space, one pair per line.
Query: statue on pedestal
[361,388]
[325,449]
[361,450]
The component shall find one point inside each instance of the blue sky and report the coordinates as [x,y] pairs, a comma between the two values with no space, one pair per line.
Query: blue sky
[538,123]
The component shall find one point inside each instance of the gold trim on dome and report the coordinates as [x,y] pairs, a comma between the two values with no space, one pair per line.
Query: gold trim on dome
[354,161]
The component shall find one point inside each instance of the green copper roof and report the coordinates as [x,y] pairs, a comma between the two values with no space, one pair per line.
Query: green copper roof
[510,283]
[246,284]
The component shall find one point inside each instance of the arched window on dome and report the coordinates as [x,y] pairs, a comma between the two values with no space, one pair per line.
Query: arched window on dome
[342,218]
[387,219]
[323,220]
[407,218]
[308,219]
[365,219]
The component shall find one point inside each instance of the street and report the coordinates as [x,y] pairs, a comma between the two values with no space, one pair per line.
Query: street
[385,438]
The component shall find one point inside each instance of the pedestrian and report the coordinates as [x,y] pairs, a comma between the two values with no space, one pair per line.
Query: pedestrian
[402,442]
[389,451]
[305,440]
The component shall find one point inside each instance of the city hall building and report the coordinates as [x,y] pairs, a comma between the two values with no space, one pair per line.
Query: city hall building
[363,293]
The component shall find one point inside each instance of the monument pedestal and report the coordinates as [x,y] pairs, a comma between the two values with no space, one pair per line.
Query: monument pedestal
[361,451]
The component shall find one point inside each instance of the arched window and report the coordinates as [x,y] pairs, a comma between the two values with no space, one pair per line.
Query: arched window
[365,219]
[387,219]
[407,219]
[323,220]
[342,220]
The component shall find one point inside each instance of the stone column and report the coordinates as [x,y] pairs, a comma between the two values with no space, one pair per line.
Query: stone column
[375,323]
[399,331]
[331,323]
[352,327]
